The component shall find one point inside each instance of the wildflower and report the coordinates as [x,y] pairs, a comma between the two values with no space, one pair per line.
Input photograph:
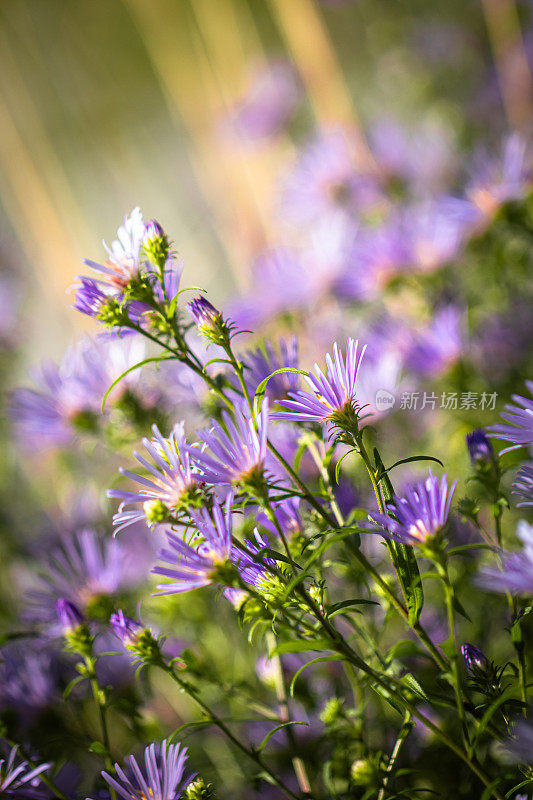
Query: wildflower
[28,680]
[474,658]
[439,346]
[479,447]
[173,488]
[125,628]
[523,485]
[19,779]
[68,614]
[209,321]
[421,514]
[236,455]
[85,570]
[332,398]
[205,558]
[124,255]
[162,776]
[520,416]
[263,361]
[516,575]
[267,105]
[155,243]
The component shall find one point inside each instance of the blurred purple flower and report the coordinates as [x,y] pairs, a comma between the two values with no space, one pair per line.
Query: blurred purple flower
[236,453]
[265,360]
[523,485]
[193,564]
[439,346]
[287,513]
[516,575]
[520,416]
[325,179]
[329,396]
[173,479]
[479,447]
[125,628]
[162,776]
[68,615]
[19,779]
[420,515]
[268,104]
[28,680]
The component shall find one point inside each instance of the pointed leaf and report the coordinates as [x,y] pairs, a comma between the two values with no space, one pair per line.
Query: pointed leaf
[271,733]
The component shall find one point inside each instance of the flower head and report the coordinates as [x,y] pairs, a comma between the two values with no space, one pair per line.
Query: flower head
[479,447]
[19,779]
[236,453]
[160,779]
[516,575]
[68,614]
[125,628]
[523,485]
[28,681]
[333,398]
[204,558]
[124,254]
[438,346]
[155,243]
[172,488]
[421,514]
[209,321]
[519,431]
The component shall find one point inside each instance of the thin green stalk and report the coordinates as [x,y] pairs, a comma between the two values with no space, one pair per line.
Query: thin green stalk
[250,752]
[442,568]
[101,704]
[405,730]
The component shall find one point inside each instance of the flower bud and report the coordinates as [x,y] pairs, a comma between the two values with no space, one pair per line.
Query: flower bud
[138,640]
[198,789]
[362,772]
[125,628]
[473,657]
[155,243]
[479,448]
[209,321]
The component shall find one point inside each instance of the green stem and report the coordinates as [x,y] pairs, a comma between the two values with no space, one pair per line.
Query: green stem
[442,568]
[101,704]
[251,753]
[405,730]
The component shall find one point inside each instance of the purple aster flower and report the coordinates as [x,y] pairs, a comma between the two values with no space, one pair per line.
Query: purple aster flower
[125,628]
[420,515]
[28,680]
[479,447]
[237,452]
[68,615]
[265,360]
[90,298]
[520,416]
[268,104]
[124,254]
[516,575]
[331,397]
[523,485]
[474,658]
[196,563]
[439,346]
[69,395]
[325,179]
[171,489]
[433,236]
[251,570]
[162,776]
[287,513]
[85,568]
[19,779]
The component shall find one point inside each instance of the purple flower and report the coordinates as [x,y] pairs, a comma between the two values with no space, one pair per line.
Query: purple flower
[124,254]
[523,485]
[520,416]
[325,179]
[237,452]
[203,313]
[420,515]
[84,569]
[69,396]
[125,628]
[516,575]
[287,513]
[263,361]
[19,779]
[162,776]
[474,658]
[90,298]
[439,346]
[479,447]
[331,397]
[196,563]
[269,102]
[68,614]
[434,237]
[28,682]
[169,491]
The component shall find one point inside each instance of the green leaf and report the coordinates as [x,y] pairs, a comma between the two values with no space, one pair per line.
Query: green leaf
[72,685]
[415,687]
[153,359]
[301,646]
[521,785]
[347,603]
[403,555]
[261,389]
[98,748]
[489,713]
[309,663]
[271,733]
[407,461]
[339,462]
